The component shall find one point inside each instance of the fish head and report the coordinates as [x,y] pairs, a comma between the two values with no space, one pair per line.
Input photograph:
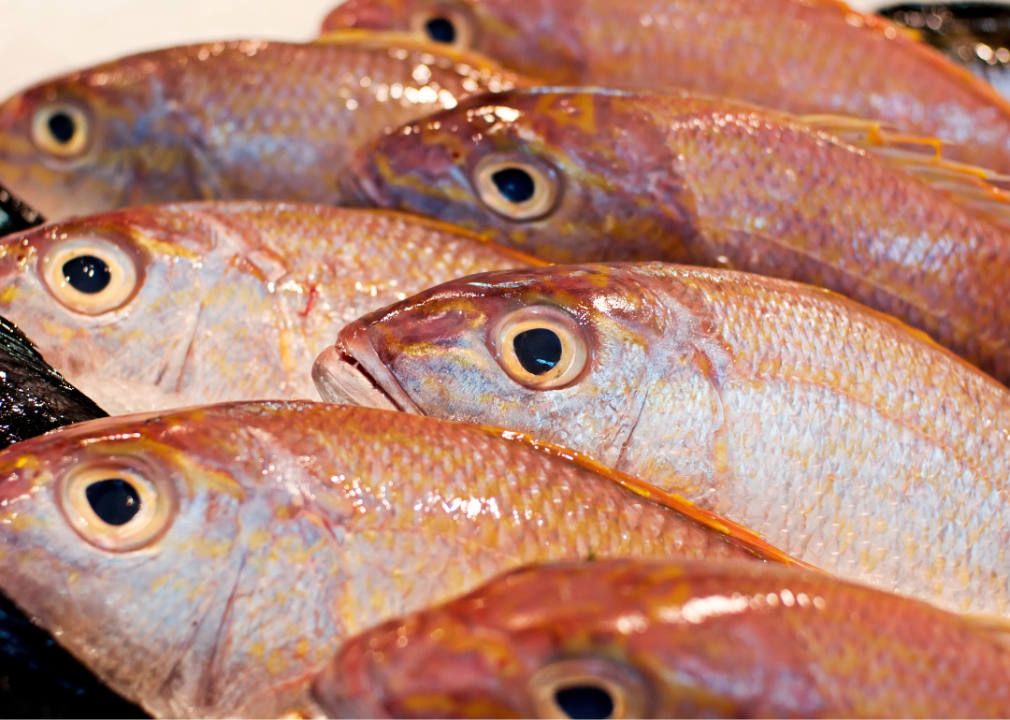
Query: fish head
[535,38]
[557,174]
[94,140]
[563,354]
[114,296]
[555,640]
[119,545]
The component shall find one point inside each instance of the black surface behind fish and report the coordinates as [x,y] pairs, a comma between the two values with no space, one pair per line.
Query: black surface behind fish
[15,216]
[38,678]
[34,398]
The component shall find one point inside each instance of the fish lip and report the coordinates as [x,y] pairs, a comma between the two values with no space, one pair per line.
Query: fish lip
[350,371]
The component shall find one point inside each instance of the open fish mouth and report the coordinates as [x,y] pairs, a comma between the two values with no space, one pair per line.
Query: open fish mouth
[351,373]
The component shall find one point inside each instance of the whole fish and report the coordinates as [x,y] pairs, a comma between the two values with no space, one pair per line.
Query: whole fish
[226,120]
[830,429]
[209,561]
[165,306]
[802,56]
[39,678]
[598,175]
[634,639]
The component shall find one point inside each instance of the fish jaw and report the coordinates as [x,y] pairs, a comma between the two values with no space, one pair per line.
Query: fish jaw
[340,379]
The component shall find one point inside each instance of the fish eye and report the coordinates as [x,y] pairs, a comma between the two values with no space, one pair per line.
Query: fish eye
[588,688]
[115,508]
[540,347]
[61,129]
[446,25]
[517,189]
[90,275]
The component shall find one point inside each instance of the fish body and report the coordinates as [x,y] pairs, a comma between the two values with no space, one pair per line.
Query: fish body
[210,302]
[227,120]
[835,432]
[668,640]
[708,181]
[816,56]
[208,562]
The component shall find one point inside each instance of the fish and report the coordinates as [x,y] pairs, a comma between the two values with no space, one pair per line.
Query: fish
[224,120]
[804,57]
[34,398]
[841,436]
[193,303]
[597,175]
[670,639]
[207,562]
[15,214]
[975,34]
[40,679]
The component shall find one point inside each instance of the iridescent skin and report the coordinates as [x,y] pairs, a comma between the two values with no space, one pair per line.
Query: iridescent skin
[295,525]
[830,429]
[235,120]
[814,56]
[691,179]
[235,300]
[706,639]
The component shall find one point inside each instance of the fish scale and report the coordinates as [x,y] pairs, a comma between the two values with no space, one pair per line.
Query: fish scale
[294,525]
[831,430]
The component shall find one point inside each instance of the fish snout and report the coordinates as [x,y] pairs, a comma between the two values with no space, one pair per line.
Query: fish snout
[352,373]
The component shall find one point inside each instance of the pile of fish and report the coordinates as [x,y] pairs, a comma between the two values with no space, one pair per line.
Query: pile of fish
[662,352]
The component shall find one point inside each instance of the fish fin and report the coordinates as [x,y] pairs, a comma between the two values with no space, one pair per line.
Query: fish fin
[736,533]
[976,188]
[393,40]
[995,626]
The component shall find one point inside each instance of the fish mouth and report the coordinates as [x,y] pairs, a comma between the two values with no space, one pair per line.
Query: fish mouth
[351,373]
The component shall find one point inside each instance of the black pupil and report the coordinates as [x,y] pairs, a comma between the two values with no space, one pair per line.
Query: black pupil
[585,701]
[87,274]
[62,127]
[114,501]
[515,184]
[441,30]
[538,350]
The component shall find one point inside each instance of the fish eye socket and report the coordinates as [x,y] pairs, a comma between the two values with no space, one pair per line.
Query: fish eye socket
[115,508]
[446,25]
[90,275]
[588,688]
[61,129]
[540,347]
[517,189]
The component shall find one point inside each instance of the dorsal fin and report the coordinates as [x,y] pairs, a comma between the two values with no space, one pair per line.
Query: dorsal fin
[972,187]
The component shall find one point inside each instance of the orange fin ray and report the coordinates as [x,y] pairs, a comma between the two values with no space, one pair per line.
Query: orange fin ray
[976,188]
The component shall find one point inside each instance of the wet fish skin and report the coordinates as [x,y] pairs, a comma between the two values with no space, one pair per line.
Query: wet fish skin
[707,181]
[830,429]
[227,120]
[292,525]
[805,57]
[704,639]
[234,300]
